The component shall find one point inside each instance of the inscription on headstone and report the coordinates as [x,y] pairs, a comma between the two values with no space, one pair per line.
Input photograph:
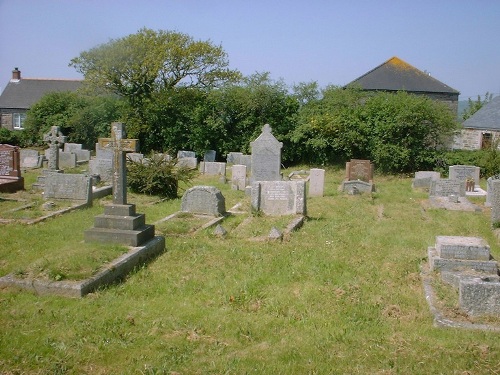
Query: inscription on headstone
[445,188]
[279,197]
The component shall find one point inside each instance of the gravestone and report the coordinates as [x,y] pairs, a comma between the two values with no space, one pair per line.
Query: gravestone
[213,168]
[187,162]
[74,187]
[489,189]
[30,158]
[234,157]
[266,157]
[423,179]
[82,155]
[136,157]
[120,223]
[359,177]
[10,169]
[55,139]
[209,156]
[238,177]
[445,188]
[66,159]
[494,198]
[464,172]
[316,182]
[276,198]
[102,164]
[207,200]
[185,154]
[72,147]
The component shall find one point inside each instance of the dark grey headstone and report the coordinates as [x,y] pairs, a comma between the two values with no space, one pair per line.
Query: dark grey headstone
[209,156]
[76,187]
[277,198]
[206,200]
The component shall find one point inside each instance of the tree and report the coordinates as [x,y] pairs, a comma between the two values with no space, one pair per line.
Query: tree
[475,106]
[149,61]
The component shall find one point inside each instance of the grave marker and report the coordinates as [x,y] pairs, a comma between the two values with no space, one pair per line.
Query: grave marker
[207,200]
[277,198]
[316,182]
[54,138]
[10,169]
[266,157]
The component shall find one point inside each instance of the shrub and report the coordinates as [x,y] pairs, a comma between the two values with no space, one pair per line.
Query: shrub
[157,176]
[9,137]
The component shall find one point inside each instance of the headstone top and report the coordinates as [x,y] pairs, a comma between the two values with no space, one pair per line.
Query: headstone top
[54,138]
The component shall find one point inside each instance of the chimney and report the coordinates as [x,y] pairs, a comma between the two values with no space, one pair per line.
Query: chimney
[16,75]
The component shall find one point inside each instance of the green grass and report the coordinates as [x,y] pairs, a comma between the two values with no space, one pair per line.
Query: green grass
[340,296]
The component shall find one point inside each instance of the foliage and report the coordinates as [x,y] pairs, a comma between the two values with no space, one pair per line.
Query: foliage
[487,159]
[157,176]
[138,65]
[11,137]
[81,118]
[400,132]
[475,106]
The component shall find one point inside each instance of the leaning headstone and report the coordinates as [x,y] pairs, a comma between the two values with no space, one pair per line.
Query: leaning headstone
[135,157]
[74,187]
[120,223]
[445,188]
[219,231]
[238,177]
[266,157]
[423,179]
[209,156]
[10,169]
[207,200]
[316,182]
[277,198]
[30,158]
[55,139]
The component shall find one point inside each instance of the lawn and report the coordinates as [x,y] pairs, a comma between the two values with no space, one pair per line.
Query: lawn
[342,295]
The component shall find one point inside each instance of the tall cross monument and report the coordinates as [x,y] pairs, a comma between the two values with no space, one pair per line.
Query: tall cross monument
[120,147]
[54,138]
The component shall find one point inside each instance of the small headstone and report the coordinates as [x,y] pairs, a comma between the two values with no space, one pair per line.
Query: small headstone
[67,160]
[266,157]
[423,179]
[209,156]
[72,147]
[74,187]
[316,182]
[187,162]
[207,200]
[213,168]
[238,177]
[358,169]
[30,158]
[82,155]
[464,172]
[275,234]
[219,231]
[233,157]
[185,154]
[10,169]
[446,187]
[277,198]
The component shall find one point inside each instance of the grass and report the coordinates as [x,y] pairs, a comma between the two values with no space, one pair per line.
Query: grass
[340,296]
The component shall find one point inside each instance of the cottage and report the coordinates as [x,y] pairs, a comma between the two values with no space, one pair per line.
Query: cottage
[21,94]
[481,129]
[397,75]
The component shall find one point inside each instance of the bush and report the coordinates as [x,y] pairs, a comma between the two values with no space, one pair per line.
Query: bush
[157,176]
[488,160]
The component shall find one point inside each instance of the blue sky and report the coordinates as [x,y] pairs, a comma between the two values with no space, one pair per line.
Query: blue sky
[327,41]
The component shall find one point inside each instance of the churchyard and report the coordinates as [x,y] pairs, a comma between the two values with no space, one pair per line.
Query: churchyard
[303,270]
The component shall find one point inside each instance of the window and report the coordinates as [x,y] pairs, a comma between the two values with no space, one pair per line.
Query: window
[18,120]
[486,140]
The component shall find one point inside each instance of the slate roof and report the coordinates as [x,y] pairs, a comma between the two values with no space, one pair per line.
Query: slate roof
[397,75]
[487,118]
[23,93]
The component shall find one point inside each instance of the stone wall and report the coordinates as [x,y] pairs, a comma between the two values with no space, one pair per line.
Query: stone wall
[471,139]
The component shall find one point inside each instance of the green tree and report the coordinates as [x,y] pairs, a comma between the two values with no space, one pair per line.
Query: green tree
[475,106]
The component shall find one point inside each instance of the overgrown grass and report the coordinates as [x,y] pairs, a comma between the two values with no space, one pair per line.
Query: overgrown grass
[341,296]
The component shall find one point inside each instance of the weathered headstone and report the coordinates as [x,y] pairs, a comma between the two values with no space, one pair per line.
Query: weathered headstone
[445,188]
[207,200]
[55,139]
[277,198]
[494,198]
[185,154]
[233,157]
[209,156]
[67,160]
[316,182]
[489,188]
[187,162]
[136,157]
[238,177]
[74,187]
[359,177]
[423,179]
[266,157]
[120,223]
[464,172]
[213,168]
[30,158]
[10,169]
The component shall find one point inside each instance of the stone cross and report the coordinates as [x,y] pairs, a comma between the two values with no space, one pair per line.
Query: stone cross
[120,146]
[54,138]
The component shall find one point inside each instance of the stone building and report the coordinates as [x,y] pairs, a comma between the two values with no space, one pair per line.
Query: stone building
[482,129]
[21,93]
[397,75]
